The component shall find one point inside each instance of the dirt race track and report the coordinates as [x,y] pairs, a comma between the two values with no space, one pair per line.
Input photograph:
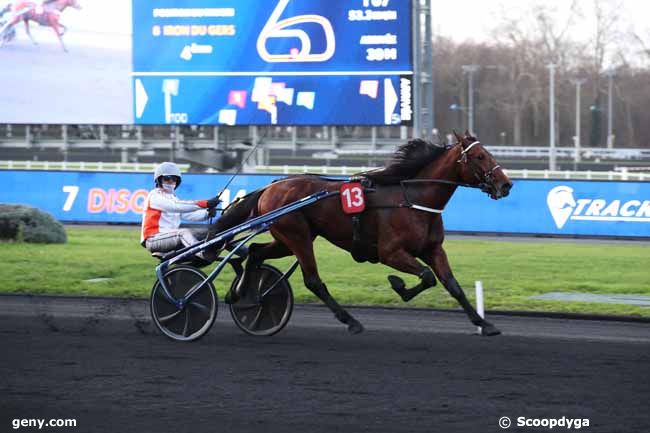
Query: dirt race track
[100,362]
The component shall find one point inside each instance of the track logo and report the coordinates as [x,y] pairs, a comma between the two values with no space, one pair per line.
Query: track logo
[564,207]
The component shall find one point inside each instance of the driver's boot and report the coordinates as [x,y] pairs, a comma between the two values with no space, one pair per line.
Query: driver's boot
[210,255]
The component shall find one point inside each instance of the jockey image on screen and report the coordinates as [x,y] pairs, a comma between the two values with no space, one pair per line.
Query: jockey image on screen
[161,219]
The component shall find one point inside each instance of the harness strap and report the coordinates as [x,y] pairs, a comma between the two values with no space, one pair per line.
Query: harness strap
[426,209]
[469,147]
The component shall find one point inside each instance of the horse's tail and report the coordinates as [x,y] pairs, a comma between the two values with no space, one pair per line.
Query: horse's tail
[237,212]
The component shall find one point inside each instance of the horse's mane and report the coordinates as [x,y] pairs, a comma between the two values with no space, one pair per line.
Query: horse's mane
[405,163]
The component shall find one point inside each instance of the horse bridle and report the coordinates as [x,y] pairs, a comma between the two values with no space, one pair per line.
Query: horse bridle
[484,183]
[487,178]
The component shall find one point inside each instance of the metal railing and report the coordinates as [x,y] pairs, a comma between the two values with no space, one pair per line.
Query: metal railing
[622,174]
[338,142]
[518,174]
[528,152]
[82,166]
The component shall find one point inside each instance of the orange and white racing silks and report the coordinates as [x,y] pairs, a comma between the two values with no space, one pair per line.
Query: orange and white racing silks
[163,210]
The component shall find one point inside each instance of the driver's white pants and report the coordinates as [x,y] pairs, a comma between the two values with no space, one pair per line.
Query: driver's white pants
[164,242]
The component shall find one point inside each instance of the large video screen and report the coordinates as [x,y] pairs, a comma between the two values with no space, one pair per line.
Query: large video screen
[291,62]
[229,62]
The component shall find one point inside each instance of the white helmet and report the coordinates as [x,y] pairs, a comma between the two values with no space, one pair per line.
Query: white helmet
[167,169]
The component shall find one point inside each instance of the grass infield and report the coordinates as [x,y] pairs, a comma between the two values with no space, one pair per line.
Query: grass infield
[511,272]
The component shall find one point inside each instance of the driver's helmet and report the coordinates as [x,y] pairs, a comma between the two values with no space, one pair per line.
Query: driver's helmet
[167,169]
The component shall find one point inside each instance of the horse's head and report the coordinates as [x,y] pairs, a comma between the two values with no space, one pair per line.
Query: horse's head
[478,167]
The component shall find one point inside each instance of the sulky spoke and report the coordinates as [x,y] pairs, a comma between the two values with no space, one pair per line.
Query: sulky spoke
[273,316]
[265,277]
[200,307]
[256,322]
[169,317]
[186,328]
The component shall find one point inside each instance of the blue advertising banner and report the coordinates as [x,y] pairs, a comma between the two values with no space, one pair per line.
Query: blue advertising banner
[110,197]
[555,207]
[279,62]
[544,207]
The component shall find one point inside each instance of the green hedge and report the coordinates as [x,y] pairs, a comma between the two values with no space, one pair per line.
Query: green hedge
[27,224]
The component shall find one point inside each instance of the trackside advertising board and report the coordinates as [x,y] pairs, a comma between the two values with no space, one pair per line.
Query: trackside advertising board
[546,207]
[110,197]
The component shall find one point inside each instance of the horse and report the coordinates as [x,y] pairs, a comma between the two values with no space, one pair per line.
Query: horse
[46,14]
[402,221]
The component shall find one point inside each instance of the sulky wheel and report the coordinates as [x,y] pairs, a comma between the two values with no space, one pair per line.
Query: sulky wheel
[259,313]
[194,319]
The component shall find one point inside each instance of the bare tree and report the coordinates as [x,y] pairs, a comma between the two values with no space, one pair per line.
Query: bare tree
[537,37]
[511,85]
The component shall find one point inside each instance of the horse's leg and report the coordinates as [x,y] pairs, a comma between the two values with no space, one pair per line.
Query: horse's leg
[29,33]
[399,259]
[58,33]
[257,253]
[437,259]
[297,236]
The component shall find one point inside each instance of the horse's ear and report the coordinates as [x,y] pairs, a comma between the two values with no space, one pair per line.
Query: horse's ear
[458,137]
[467,134]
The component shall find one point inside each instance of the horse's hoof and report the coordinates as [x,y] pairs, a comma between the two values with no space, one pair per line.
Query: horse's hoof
[490,330]
[355,328]
[396,282]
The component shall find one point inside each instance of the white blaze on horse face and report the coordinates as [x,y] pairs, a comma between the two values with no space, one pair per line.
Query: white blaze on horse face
[561,204]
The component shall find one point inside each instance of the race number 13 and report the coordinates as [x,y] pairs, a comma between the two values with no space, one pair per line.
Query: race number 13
[352,198]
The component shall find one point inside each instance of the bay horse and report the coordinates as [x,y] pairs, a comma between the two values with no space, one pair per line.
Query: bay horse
[46,14]
[402,221]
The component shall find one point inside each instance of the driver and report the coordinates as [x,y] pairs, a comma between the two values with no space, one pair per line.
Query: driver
[163,211]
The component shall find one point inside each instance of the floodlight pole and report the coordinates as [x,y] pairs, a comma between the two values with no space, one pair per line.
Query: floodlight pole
[610,90]
[576,140]
[469,70]
[428,122]
[423,120]
[551,160]
[417,49]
